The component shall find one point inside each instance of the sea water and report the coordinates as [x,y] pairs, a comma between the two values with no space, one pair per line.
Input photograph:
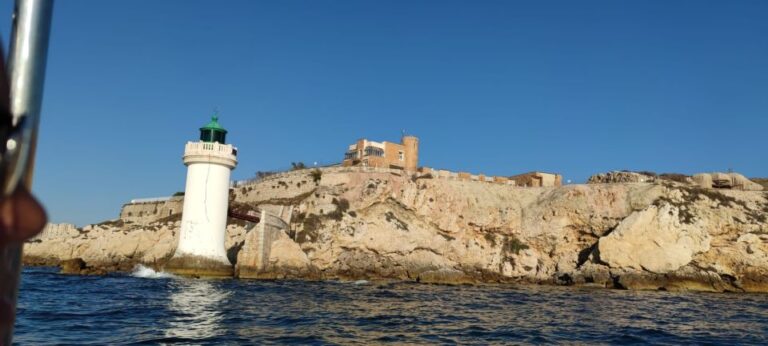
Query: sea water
[147,307]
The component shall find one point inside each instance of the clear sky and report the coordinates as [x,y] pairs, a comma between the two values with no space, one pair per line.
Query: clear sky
[494,87]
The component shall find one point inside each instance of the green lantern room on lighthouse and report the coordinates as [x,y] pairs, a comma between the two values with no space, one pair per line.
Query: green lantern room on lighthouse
[213,132]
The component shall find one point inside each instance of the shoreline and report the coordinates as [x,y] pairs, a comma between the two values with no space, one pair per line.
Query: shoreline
[636,282]
[384,226]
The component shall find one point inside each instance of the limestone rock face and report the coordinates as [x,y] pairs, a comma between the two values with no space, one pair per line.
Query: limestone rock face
[643,234]
[655,240]
[114,245]
[61,230]
[353,223]
[72,266]
[282,259]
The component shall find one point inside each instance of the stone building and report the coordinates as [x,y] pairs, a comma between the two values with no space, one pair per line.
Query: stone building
[403,155]
[719,180]
[537,179]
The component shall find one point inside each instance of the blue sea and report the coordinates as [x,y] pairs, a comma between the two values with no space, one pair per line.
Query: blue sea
[146,307]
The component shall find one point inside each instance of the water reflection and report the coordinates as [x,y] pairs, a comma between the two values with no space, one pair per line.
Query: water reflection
[195,307]
[61,309]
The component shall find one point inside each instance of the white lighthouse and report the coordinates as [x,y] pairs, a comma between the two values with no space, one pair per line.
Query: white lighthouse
[201,251]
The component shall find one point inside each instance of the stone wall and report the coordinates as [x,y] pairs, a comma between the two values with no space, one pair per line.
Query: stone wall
[465,176]
[57,230]
[254,258]
[147,212]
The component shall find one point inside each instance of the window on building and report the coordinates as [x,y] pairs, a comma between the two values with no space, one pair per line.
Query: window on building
[401,155]
[374,151]
[350,155]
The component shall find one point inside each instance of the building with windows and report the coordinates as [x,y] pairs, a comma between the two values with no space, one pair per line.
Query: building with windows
[538,179]
[403,155]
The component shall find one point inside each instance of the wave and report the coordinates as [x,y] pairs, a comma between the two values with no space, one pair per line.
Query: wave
[140,271]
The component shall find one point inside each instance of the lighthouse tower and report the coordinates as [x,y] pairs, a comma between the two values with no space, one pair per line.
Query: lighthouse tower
[201,251]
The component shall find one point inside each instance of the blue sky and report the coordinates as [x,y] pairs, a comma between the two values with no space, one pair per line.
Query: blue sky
[495,87]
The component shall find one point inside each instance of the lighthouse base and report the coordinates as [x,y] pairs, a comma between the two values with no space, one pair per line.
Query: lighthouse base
[199,266]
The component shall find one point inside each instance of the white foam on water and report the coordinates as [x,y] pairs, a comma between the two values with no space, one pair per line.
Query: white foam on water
[140,271]
[361,282]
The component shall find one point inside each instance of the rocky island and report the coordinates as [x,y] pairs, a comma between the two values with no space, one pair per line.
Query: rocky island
[621,230]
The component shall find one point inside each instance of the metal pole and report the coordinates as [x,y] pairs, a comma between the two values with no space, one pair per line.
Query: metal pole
[26,71]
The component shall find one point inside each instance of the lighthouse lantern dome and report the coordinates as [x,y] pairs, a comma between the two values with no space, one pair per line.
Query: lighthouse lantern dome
[213,132]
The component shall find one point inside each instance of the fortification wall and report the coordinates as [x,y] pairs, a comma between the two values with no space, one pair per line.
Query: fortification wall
[465,176]
[147,212]
[57,231]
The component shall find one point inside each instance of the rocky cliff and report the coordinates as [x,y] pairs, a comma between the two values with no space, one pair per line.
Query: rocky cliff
[390,225]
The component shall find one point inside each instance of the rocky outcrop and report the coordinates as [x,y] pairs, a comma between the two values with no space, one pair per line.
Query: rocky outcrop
[734,181]
[654,240]
[350,224]
[614,177]
[113,245]
[281,259]
[72,266]
[658,235]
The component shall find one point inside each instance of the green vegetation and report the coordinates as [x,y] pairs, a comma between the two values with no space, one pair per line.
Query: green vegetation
[112,223]
[170,218]
[693,193]
[676,177]
[489,237]
[310,226]
[316,175]
[298,217]
[761,181]
[342,205]
[684,214]
[416,177]
[398,223]
[295,166]
[262,175]
[513,245]
[178,194]
[648,173]
[690,195]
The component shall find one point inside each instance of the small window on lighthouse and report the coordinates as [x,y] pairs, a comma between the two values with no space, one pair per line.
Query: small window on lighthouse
[401,155]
